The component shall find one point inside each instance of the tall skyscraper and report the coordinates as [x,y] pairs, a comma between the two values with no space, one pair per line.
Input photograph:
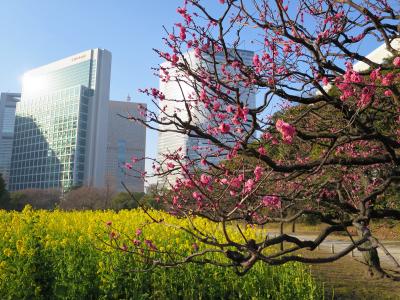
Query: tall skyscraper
[126,142]
[61,121]
[168,142]
[8,102]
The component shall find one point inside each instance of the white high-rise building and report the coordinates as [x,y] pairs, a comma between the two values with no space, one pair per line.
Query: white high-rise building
[168,142]
[126,142]
[61,125]
[377,56]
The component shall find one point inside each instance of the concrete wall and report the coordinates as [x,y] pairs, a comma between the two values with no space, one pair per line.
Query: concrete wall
[98,120]
[125,139]
[8,102]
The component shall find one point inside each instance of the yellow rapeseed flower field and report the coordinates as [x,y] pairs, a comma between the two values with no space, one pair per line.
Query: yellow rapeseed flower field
[66,255]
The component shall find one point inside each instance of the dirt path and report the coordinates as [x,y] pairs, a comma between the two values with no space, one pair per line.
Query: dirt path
[332,245]
[348,279]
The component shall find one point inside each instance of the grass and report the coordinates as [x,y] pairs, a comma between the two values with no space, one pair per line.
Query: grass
[347,279]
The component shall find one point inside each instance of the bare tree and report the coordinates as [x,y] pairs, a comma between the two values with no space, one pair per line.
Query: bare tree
[86,197]
[37,198]
[331,150]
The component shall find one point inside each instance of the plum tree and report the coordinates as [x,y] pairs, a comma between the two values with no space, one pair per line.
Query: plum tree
[323,139]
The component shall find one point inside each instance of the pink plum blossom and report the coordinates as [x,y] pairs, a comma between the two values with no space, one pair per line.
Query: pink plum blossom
[262,150]
[136,242]
[258,172]
[249,185]
[182,33]
[256,60]
[375,74]
[396,61]
[388,79]
[205,179]
[286,130]
[197,196]
[197,52]
[224,128]
[271,201]
[150,244]
[388,93]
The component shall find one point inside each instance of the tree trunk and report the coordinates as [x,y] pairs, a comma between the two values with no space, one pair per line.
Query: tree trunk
[371,256]
[281,232]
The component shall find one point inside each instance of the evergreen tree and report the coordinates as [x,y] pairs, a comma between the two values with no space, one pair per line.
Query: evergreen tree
[4,195]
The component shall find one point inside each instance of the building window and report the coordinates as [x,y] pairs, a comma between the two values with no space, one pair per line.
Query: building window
[121,158]
[9,120]
[121,151]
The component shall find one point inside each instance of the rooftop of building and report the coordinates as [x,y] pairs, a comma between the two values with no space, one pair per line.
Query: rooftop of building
[125,103]
[64,62]
[14,96]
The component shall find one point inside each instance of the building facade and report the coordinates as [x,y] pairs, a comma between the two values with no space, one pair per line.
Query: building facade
[126,140]
[8,103]
[168,142]
[59,139]
[377,56]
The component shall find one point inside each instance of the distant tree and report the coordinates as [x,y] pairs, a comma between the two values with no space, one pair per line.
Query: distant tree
[37,198]
[124,200]
[85,197]
[4,194]
[157,198]
[109,191]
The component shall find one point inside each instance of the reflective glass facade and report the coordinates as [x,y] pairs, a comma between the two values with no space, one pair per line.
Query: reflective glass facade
[9,120]
[83,73]
[49,140]
[53,140]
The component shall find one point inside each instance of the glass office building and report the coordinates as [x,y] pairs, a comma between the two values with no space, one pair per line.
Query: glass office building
[58,140]
[8,102]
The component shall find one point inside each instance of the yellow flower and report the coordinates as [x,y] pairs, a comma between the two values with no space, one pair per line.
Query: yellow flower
[20,247]
[3,264]
[64,242]
[101,265]
[8,252]
[47,244]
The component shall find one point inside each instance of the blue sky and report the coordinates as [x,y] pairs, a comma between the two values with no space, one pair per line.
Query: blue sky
[37,32]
